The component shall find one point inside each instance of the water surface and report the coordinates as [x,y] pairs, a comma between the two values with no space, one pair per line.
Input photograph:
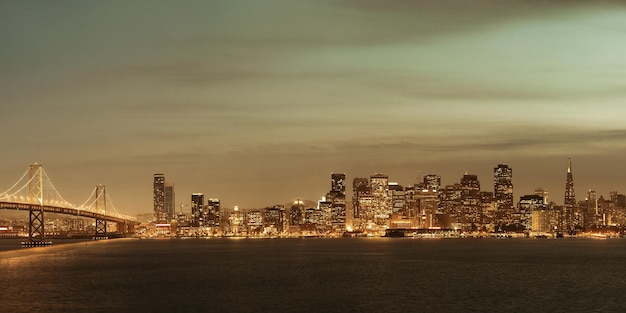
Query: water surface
[318,275]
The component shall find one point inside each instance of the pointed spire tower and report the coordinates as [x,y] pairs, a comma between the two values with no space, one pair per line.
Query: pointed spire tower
[570,200]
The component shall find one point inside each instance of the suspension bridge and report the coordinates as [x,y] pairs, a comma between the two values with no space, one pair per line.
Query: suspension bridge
[34,192]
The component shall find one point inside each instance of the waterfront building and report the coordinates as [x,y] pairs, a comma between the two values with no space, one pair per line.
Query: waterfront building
[526,206]
[274,220]
[540,221]
[254,222]
[503,187]
[236,223]
[296,215]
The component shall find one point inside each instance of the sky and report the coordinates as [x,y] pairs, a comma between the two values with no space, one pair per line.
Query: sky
[257,102]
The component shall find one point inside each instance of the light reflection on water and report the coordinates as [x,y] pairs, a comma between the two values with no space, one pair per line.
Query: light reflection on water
[318,275]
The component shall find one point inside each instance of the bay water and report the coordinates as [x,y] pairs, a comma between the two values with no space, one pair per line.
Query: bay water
[316,275]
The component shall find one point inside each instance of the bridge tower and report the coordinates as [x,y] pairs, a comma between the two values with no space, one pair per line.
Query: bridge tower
[101,207]
[36,233]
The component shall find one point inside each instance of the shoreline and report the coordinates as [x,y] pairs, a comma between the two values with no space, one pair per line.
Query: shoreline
[10,251]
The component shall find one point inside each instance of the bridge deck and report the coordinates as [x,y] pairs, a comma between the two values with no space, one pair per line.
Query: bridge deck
[62,210]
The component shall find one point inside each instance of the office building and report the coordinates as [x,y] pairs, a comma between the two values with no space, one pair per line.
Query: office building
[503,187]
[160,214]
[197,209]
[169,201]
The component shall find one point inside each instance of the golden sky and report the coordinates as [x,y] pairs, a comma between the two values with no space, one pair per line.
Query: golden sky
[257,102]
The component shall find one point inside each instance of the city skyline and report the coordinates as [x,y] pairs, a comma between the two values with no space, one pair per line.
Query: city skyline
[255,103]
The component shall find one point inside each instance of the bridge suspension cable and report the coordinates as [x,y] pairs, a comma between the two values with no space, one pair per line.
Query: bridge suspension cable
[55,189]
[2,195]
[15,194]
[85,205]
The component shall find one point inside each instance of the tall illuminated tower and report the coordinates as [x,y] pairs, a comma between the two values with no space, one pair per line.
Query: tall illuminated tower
[337,197]
[169,200]
[360,187]
[159,198]
[503,187]
[338,184]
[570,200]
[382,210]
[197,209]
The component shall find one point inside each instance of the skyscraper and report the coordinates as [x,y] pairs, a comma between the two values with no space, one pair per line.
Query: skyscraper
[296,213]
[472,214]
[569,205]
[397,198]
[360,186]
[338,186]
[432,182]
[337,197]
[379,184]
[503,187]
[160,214]
[544,193]
[169,200]
[213,213]
[197,209]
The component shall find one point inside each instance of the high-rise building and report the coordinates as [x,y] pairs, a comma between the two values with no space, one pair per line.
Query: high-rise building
[503,187]
[432,182]
[534,213]
[337,197]
[472,215]
[213,213]
[338,184]
[296,213]
[197,209]
[451,206]
[275,221]
[236,222]
[544,193]
[398,199]
[591,213]
[426,203]
[379,184]
[160,214]
[170,201]
[569,205]
[529,204]
[254,222]
[360,186]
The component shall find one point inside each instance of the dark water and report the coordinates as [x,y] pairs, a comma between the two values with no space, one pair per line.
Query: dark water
[317,275]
